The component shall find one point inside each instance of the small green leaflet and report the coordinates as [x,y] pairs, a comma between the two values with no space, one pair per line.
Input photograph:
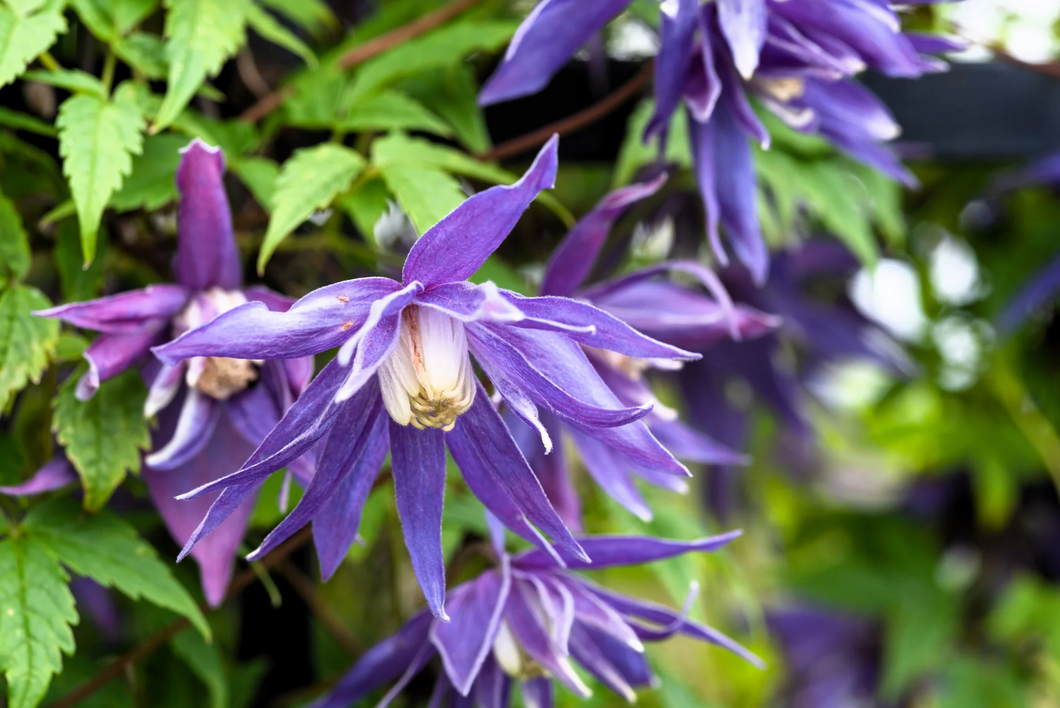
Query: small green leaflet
[312,15]
[269,28]
[103,437]
[14,244]
[23,121]
[72,81]
[426,194]
[152,181]
[308,181]
[97,140]
[144,52]
[452,93]
[27,29]
[109,20]
[206,662]
[36,611]
[393,110]
[78,283]
[200,36]
[26,341]
[259,175]
[108,550]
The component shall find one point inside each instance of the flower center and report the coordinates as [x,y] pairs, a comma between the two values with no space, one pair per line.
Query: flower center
[216,376]
[511,657]
[428,380]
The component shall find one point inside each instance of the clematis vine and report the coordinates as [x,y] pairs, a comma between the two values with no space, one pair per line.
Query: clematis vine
[403,382]
[796,57]
[212,411]
[676,314]
[523,621]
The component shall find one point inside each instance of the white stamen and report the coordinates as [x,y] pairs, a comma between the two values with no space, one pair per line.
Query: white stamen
[506,651]
[428,380]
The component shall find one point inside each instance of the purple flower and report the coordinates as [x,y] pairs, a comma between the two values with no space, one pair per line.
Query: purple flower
[795,56]
[402,381]
[524,621]
[212,411]
[679,315]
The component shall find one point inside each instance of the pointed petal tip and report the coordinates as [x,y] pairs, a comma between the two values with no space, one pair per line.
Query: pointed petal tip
[199,143]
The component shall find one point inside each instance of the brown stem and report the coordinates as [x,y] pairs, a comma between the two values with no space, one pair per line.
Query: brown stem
[330,621]
[149,645]
[572,123]
[363,52]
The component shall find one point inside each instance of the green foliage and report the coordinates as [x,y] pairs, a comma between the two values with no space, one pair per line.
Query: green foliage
[14,245]
[111,20]
[97,139]
[72,81]
[27,29]
[104,436]
[309,181]
[393,110]
[36,611]
[78,283]
[269,28]
[26,341]
[108,550]
[205,661]
[152,182]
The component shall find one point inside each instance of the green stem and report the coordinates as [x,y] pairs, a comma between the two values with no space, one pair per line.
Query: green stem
[1013,395]
[109,64]
[50,62]
[275,598]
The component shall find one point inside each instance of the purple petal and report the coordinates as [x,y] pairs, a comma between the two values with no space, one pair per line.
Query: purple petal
[630,664]
[701,136]
[636,443]
[322,320]
[512,351]
[537,692]
[336,524]
[499,476]
[743,22]
[207,256]
[228,502]
[686,443]
[935,44]
[493,689]
[257,410]
[555,602]
[738,194]
[702,86]
[418,459]
[611,472]
[198,418]
[272,299]
[224,451]
[677,28]
[528,625]
[1039,290]
[455,247]
[468,302]
[111,354]
[348,440]
[614,551]
[381,664]
[551,469]
[476,610]
[591,611]
[574,257]
[125,313]
[592,657]
[164,388]
[544,42]
[56,473]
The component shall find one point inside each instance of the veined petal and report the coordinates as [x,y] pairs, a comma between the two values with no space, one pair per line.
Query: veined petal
[348,440]
[631,664]
[528,626]
[56,473]
[468,302]
[615,551]
[687,443]
[164,389]
[198,417]
[537,692]
[573,259]
[499,476]
[589,655]
[476,610]
[418,459]
[455,247]
[591,611]
[550,468]
[228,502]
[207,255]
[111,354]
[134,311]
[493,688]
[609,470]
[547,38]
[322,320]
[743,22]
[556,603]
[677,28]
[256,410]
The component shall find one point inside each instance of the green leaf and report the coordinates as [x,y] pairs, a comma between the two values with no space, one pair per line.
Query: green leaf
[366,204]
[200,36]
[26,32]
[634,153]
[109,20]
[308,181]
[27,170]
[14,244]
[144,52]
[259,175]
[206,662]
[425,193]
[36,611]
[70,348]
[108,550]
[270,29]
[452,93]
[97,140]
[151,184]
[393,110]
[103,436]
[23,121]
[72,80]
[26,341]
[317,97]
[78,283]
[311,15]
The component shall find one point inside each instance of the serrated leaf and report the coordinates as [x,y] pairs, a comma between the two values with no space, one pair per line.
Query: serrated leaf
[110,19]
[104,436]
[393,110]
[144,52]
[24,121]
[452,93]
[200,36]
[425,193]
[14,244]
[26,33]
[270,29]
[308,181]
[36,611]
[108,550]
[26,341]
[97,140]
[318,96]
[78,283]
[70,79]
[152,182]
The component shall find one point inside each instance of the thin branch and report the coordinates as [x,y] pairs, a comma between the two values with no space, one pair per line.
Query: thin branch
[149,645]
[572,123]
[330,621]
[363,52]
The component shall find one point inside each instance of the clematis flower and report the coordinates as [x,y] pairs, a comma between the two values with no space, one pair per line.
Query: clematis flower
[795,56]
[525,620]
[212,412]
[676,314]
[403,381]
